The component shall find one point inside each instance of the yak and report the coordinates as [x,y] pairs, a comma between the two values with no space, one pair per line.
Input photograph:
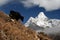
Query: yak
[15,15]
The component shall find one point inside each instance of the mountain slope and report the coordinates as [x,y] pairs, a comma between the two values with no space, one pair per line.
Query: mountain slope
[15,30]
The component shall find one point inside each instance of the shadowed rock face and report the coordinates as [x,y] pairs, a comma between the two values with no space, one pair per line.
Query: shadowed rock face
[10,30]
[55,36]
[16,15]
[43,36]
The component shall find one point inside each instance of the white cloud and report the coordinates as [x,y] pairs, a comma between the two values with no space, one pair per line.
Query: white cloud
[47,4]
[2,2]
[53,30]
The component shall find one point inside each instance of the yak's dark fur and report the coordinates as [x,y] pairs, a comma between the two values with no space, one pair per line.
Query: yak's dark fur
[16,15]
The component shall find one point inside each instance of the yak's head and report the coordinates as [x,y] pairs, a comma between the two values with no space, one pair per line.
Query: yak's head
[16,15]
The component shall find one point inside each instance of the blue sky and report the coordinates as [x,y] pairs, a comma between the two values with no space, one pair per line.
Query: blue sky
[30,10]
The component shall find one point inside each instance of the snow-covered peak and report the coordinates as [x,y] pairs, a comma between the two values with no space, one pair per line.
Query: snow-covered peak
[31,20]
[40,20]
[28,22]
[42,16]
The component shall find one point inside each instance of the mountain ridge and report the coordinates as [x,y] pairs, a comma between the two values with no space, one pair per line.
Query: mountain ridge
[42,21]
